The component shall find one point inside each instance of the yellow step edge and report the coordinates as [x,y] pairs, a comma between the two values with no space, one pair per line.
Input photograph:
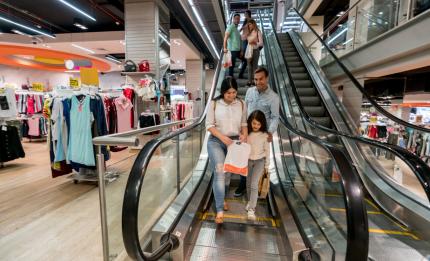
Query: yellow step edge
[392,232]
[234,216]
[368,212]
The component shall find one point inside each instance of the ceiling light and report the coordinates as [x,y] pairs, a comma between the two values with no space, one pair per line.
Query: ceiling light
[38,26]
[83,48]
[122,42]
[83,27]
[176,42]
[71,71]
[26,27]
[117,23]
[19,32]
[336,36]
[77,9]
[112,58]
[381,13]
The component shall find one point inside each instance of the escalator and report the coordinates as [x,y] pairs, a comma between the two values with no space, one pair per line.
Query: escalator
[398,215]
[294,222]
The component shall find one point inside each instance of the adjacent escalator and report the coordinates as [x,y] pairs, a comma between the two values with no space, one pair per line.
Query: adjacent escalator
[390,205]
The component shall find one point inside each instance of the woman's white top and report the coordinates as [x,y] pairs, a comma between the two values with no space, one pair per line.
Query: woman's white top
[227,118]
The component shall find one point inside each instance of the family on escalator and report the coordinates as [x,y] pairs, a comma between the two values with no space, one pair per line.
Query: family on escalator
[231,121]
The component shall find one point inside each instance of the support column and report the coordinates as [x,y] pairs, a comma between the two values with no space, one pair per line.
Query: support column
[352,99]
[141,33]
[194,76]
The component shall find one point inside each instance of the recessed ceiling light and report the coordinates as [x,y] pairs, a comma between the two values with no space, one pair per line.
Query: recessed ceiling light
[112,58]
[38,26]
[122,42]
[83,48]
[117,23]
[26,27]
[19,32]
[81,26]
[77,9]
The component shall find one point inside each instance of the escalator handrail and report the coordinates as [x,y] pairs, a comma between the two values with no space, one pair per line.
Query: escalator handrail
[419,167]
[358,85]
[357,226]
[135,183]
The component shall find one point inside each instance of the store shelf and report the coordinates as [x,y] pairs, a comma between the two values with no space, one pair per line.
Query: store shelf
[137,74]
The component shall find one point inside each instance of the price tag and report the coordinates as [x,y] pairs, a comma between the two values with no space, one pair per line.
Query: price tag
[74,83]
[37,87]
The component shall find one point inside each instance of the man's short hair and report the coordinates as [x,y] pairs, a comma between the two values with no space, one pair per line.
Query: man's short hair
[236,14]
[262,69]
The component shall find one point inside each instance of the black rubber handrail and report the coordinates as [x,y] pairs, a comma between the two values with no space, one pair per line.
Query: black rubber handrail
[358,85]
[134,186]
[419,167]
[356,215]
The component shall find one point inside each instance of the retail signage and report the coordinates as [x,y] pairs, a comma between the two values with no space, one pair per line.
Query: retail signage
[74,83]
[89,76]
[37,87]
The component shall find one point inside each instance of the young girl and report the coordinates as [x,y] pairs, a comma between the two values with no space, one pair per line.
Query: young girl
[259,158]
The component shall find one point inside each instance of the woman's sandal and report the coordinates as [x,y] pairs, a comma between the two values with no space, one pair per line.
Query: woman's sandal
[226,208]
[219,220]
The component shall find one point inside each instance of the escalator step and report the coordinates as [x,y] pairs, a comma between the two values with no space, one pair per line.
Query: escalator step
[315,111]
[242,82]
[310,101]
[297,69]
[306,92]
[303,83]
[291,55]
[300,76]
[292,59]
[295,64]
[324,121]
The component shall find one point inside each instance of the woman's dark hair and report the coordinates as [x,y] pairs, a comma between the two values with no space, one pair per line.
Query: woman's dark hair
[258,116]
[228,83]
[248,12]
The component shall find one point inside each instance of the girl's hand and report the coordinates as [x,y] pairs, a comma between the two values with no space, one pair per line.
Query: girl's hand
[226,140]
[243,138]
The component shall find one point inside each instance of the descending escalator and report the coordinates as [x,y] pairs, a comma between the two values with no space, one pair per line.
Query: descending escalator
[393,209]
[293,222]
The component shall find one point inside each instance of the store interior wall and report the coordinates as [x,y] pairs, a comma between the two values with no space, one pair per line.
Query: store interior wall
[20,76]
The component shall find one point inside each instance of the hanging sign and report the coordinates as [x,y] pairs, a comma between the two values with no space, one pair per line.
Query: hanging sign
[74,83]
[37,87]
[89,76]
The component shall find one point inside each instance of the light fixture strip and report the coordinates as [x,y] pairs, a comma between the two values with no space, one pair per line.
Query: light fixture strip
[335,37]
[26,27]
[83,48]
[113,59]
[197,15]
[77,9]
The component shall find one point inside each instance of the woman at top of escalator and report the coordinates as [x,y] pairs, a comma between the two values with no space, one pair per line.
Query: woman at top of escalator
[255,43]
[226,121]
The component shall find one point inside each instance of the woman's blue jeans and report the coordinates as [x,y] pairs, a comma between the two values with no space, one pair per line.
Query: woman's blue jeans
[217,152]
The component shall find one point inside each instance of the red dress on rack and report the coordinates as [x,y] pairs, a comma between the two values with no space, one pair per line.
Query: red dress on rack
[373,132]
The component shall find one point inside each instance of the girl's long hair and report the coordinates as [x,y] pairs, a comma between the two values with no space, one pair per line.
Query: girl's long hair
[258,116]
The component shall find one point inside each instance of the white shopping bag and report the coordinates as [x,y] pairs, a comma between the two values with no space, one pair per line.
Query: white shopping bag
[236,161]
[248,52]
[226,62]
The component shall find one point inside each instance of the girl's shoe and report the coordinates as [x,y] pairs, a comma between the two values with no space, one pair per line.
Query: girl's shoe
[226,208]
[219,219]
[247,206]
[251,214]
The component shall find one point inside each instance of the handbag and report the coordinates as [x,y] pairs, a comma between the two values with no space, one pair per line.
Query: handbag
[248,52]
[264,185]
[144,66]
[226,62]
[236,160]
[130,66]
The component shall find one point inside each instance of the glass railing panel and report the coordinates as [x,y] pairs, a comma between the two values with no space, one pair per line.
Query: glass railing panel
[159,185]
[420,6]
[120,165]
[187,151]
[316,180]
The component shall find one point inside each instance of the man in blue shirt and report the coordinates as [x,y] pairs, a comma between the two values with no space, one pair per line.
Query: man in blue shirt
[261,97]
[232,42]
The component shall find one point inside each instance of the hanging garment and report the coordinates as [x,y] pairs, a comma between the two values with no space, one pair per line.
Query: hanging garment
[7,103]
[34,127]
[30,105]
[80,147]
[382,132]
[373,132]
[59,131]
[148,120]
[11,144]
[123,109]
[129,93]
